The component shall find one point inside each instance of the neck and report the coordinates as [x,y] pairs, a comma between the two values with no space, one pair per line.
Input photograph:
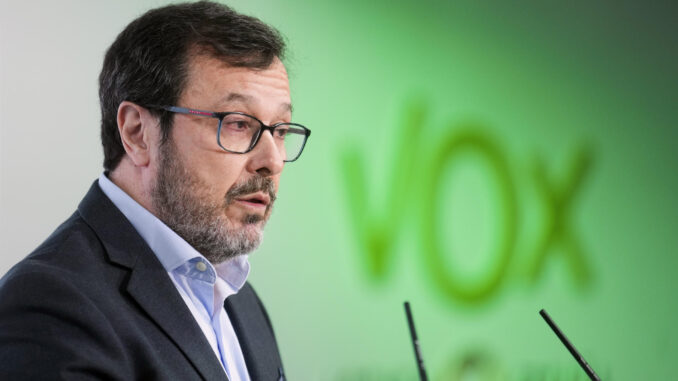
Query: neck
[136,181]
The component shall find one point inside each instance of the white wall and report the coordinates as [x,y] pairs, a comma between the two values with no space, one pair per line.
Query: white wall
[50,56]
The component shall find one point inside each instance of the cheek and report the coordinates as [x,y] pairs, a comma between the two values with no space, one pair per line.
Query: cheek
[215,170]
[221,172]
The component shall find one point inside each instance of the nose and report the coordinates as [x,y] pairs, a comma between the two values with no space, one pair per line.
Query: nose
[265,158]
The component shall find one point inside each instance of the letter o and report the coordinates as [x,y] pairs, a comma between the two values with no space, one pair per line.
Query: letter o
[454,289]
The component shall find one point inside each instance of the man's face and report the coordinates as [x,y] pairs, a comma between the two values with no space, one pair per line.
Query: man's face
[219,201]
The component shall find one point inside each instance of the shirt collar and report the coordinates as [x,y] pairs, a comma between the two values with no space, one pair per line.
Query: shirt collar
[172,250]
[234,271]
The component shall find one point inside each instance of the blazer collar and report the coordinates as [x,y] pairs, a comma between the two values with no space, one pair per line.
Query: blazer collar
[149,285]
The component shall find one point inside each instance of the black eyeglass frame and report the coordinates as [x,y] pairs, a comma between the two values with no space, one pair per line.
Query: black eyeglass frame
[221,115]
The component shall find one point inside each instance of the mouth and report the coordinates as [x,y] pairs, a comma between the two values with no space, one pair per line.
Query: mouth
[259,200]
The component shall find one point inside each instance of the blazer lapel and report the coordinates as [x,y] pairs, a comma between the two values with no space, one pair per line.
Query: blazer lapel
[154,291]
[255,335]
[149,284]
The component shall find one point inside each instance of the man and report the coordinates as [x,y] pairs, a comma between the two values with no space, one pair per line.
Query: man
[147,279]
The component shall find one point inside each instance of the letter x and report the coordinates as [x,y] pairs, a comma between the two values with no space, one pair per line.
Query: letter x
[557,228]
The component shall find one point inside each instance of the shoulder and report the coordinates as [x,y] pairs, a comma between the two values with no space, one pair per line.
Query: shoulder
[64,272]
[49,317]
[55,275]
[66,255]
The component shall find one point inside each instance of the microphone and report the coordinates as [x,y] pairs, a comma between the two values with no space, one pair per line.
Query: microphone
[415,343]
[587,368]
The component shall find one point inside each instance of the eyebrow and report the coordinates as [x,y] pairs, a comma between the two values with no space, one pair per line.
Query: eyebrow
[237,97]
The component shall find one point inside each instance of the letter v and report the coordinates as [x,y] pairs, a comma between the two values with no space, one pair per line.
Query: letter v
[377,224]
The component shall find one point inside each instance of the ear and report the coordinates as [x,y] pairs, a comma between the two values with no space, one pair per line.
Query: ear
[135,126]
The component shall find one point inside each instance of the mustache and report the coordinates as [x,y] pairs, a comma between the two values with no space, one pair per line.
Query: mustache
[252,185]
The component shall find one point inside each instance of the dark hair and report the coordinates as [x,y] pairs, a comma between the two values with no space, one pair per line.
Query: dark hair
[148,62]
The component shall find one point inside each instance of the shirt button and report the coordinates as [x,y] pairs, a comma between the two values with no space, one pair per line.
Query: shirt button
[201,266]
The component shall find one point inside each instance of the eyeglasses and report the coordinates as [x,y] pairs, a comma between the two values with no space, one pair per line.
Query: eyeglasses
[239,133]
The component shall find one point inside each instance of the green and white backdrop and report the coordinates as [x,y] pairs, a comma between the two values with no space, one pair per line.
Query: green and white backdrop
[482,160]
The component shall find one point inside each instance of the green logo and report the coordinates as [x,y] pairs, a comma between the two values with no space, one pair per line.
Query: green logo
[416,185]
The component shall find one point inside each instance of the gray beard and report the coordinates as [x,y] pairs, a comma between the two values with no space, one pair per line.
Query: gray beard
[182,202]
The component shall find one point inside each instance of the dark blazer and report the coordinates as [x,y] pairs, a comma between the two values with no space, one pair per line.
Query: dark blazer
[94,302]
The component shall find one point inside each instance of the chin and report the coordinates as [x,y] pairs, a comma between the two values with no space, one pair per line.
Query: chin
[253,219]
[252,225]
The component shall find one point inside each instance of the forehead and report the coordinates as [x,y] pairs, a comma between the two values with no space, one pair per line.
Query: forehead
[214,84]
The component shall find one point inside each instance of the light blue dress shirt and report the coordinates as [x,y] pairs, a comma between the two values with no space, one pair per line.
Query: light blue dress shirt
[203,287]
